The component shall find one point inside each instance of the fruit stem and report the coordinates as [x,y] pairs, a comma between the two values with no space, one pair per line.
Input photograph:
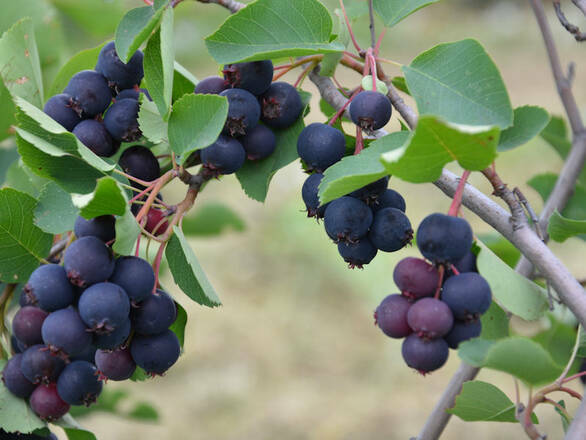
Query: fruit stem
[441,270]
[344,107]
[340,87]
[372,68]
[457,202]
[562,379]
[358,49]
[359,141]
[157,265]
[379,42]
[160,183]
[297,63]
[134,179]
[304,73]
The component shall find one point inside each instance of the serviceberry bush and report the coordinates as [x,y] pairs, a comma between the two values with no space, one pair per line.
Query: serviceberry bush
[85,231]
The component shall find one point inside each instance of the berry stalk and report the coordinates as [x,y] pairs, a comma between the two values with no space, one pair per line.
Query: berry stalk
[457,202]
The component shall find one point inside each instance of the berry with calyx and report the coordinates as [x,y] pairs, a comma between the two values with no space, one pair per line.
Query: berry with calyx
[370,193]
[225,156]
[347,219]
[155,314]
[430,318]
[463,331]
[135,276]
[14,380]
[443,238]
[115,338]
[389,199]
[88,261]
[370,110]
[467,263]
[93,134]
[358,253]
[38,365]
[259,143]
[309,193]
[390,230]
[468,295]
[280,105]
[243,112]
[391,316]
[79,384]
[121,121]
[90,92]
[104,307]
[212,85]
[115,365]
[26,325]
[254,76]
[48,288]
[155,354]
[416,278]
[47,404]
[120,75]
[140,162]
[60,108]
[65,333]
[102,227]
[320,146]
[424,355]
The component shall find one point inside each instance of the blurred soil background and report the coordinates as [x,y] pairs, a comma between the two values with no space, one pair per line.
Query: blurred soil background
[293,353]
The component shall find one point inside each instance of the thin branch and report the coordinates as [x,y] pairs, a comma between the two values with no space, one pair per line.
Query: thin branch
[560,380]
[580,4]
[571,28]
[232,5]
[371,26]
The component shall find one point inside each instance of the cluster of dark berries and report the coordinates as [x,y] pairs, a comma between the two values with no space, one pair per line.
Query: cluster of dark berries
[256,108]
[95,318]
[440,304]
[101,106]
[369,219]
[17,436]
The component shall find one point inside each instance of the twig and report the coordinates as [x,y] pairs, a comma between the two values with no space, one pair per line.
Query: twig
[58,248]
[371,26]
[501,190]
[232,5]
[532,215]
[580,4]
[571,28]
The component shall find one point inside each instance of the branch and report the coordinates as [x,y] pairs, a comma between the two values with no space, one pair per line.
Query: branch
[571,28]
[232,5]
[371,26]
[580,4]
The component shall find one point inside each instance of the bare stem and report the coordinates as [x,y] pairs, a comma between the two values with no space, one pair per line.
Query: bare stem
[571,28]
[371,25]
[455,206]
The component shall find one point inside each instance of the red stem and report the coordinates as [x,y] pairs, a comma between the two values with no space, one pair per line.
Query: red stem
[379,42]
[441,270]
[142,193]
[350,27]
[575,376]
[340,87]
[157,265]
[137,244]
[571,392]
[457,202]
[454,269]
[303,74]
[346,104]
[359,141]
[372,68]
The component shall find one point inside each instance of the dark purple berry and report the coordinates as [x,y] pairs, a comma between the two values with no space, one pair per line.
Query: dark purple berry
[114,339]
[357,254]
[370,193]
[48,288]
[90,92]
[60,108]
[389,199]
[260,142]
[468,295]
[121,121]
[347,219]
[467,263]
[243,112]
[79,384]
[27,323]
[424,355]
[320,146]
[14,380]
[128,94]
[38,365]
[65,333]
[88,261]
[416,278]
[120,76]
[309,193]
[93,134]
[102,227]
[115,365]
[140,162]
[47,404]
[390,230]
[16,345]
[155,314]
[281,105]
[463,331]
[104,307]
[155,354]
[212,85]
[225,156]
[443,238]
[87,355]
[370,110]
[430,318]
[135,276]
[254,76]
[391,316]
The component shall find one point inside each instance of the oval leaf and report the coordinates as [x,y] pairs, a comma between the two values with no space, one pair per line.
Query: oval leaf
[528,122]
[393,11]
[561,228]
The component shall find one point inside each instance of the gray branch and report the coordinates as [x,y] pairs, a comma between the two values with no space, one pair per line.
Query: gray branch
[232,5]
[580,4]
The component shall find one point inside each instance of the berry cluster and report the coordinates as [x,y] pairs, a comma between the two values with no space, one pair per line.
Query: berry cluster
[440,304]
[369,219]
[252,98]
[95,318]
[101,106]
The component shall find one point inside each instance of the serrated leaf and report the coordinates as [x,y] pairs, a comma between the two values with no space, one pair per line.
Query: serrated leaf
[435,143]
[20,178]
[22,244]
[393,11]
[107,198]
[7,119]
[272,29]
[19,62]
[178,327]
[556,134]
[15,414]
[8,156]
[187,272]
[528,122]
[127,231]
[472,94]
[151,123]
[529,300]
[495,323]
[212,219]
[183,81]
[55,212]
[561,228]
[196,122]
[354,172]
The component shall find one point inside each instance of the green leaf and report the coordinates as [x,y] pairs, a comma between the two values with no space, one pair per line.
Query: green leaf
[55,212]
[107,198]
[78,434]
[116,402]
[272,29]
[529,301]
[158,63]
[400,83]
[22,244]
[144,411]
[7,119]
[19,62]
[354,172]
[528,122]
[139,375]
[134,29]
[84,15]
[436,143]
[183,81]
[151,123]
[187,272]
[178,327]
[561,228]
[8,156]
[471,94]
[565,421]
[556,134]
[393,11]
[518,356]
[127,231]
[212,219]
[21,178]
[483,402]
[196,122]
[501,247]
[495,323]
[558,340]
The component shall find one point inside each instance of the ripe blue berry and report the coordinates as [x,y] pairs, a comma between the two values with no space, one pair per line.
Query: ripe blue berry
[26,325]
[48,288]
[467,263]
[358,253]
[281,105]
[243,112]
[155,354]
[309,193]
[102,227]
[370,193]
[347,219]
[38,365]
[47,404]
[225,156]
[120,75]
[444,239]
[155,314]
[93,134]
[90,92]
[370,110]
[65,333]
[430,318]
[416,278]
[391,316]
[320,146]
[121,121]
[254,76]
[424,355]
[135,276]
[260,142]
[104,307]
[88,261]
[14,380]
[463,331]
[390,230]
[115,338]
[140,162]
[79,384]
[468,295]
[87,355]
[389,199]
[115,365]
[60,108]
[212,85]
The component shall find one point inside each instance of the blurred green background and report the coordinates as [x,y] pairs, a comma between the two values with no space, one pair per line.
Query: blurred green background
[293,352]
